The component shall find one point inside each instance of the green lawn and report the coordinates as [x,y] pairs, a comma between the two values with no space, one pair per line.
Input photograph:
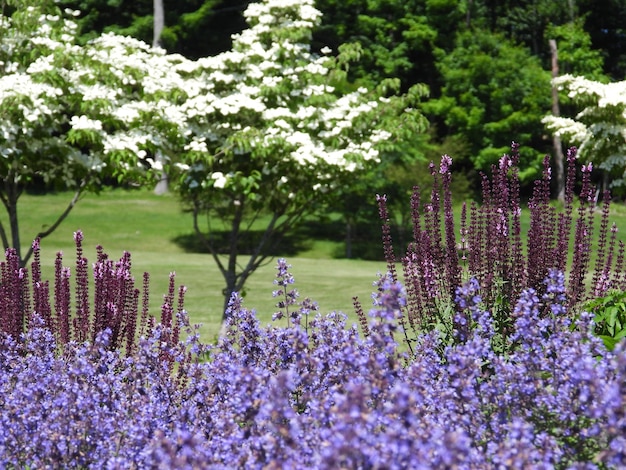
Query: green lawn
[147,225]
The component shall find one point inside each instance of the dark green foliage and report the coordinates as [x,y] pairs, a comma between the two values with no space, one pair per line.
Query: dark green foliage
[98,16]
[606,23]
[523,21]
[395,35]
[493,88]
[576,55]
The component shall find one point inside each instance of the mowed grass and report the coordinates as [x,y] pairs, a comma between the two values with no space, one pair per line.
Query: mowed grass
[146,225]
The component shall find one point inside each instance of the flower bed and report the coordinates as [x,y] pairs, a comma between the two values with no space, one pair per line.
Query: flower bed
[317,394]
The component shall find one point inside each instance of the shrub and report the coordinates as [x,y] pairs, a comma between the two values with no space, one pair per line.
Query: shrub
[491,248]
[321,396]
[117,305]
[514,379]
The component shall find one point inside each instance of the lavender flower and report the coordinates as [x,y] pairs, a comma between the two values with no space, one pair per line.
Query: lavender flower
[288,298]
[320,396]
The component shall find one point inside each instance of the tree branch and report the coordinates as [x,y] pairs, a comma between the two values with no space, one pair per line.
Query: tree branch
[260,255]
[59,220]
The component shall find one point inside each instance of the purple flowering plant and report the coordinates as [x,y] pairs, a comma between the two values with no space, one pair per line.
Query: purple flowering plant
[492,249]
[321,397]
[117,304]
[84,386]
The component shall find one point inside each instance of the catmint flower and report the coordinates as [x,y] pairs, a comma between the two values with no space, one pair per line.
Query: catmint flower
[390,298]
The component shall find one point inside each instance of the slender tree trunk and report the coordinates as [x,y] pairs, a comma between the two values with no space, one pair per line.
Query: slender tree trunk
[9,195]
[162,185]
[159,22]
[572,10]
[556,140]
[12,198]
[349,239]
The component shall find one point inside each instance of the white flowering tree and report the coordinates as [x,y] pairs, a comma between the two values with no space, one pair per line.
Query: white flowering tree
[62,106]
[259,136]
[253,139]
[599,129]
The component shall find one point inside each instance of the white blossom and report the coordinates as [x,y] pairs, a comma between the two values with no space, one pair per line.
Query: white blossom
[41,65]
[208,114]
[83,122]
[154,164]
[599,128]
[69,11]
[196,145]
[219,180]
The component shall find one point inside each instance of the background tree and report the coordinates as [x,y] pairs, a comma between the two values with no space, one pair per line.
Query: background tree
[259,136]
[59,105]
[492,90]
[599,128]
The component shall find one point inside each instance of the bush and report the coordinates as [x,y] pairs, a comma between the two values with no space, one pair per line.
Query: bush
[315,394]
[610,317]
[115,305]
[512,376]
[491,249]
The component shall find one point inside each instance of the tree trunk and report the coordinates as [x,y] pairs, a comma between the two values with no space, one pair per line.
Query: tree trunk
[162,186]
[572,10]
[349,239]
[236,274]
[9,195]
[159,22]
[12,198]
[556,140]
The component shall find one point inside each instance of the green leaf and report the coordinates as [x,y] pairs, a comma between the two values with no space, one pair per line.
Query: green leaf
[621,334]
[609,341]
